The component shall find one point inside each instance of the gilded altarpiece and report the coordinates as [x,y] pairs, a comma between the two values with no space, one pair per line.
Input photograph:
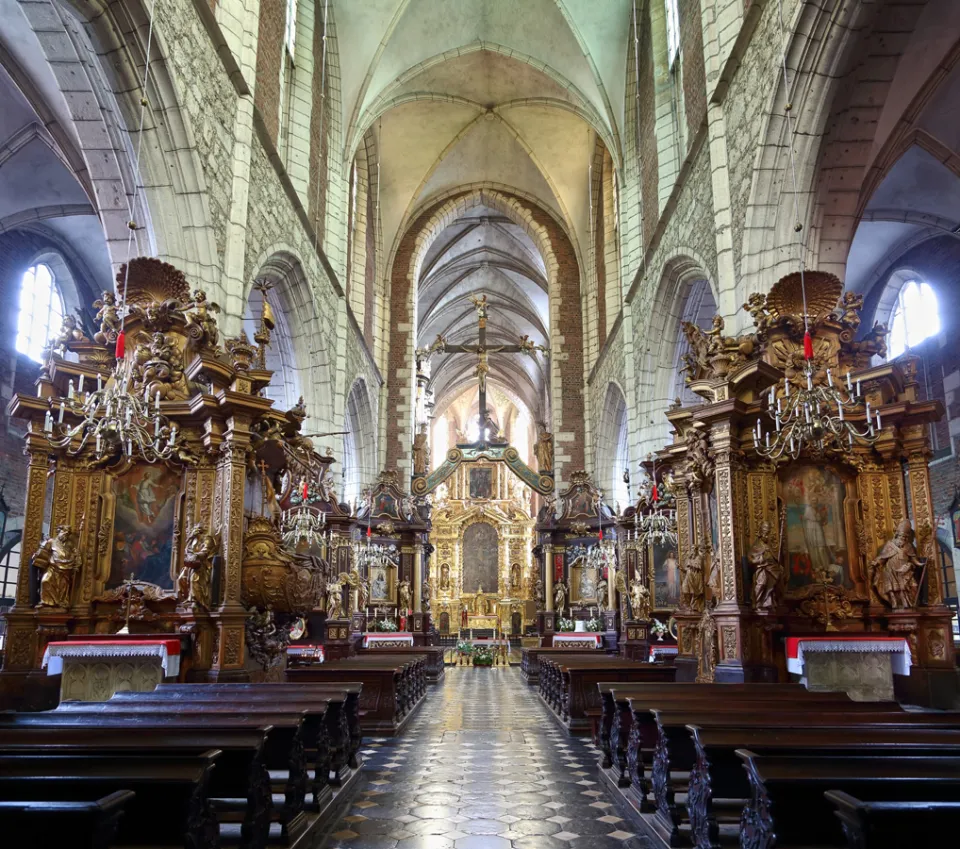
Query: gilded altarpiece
[817,538]
[483,504]
[152,511]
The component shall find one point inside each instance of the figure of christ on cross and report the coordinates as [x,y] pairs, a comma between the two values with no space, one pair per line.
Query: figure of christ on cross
[526,346]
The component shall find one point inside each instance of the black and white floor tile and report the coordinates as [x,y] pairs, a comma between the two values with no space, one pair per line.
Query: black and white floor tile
[482,766]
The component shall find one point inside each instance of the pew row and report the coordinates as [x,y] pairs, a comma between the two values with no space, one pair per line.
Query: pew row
[52,825]
[433,655]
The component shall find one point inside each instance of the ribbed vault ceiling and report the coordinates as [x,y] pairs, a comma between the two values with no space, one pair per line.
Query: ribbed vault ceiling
[484,253]
[468,91]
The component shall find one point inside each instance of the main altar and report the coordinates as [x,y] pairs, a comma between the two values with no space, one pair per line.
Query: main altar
[482,534]
[802,494]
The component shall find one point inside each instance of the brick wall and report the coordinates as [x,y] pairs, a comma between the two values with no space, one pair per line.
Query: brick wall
[694,79]
[648,138]
[273,18]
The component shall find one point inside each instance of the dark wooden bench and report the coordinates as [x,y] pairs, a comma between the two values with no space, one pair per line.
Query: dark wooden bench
[530,660]
[53,825]
[893,825]
[170,805]
[333,691]
[788,806]
[291,815]
[434,668]
[571,685]
[242,768]
[392,686]
[718,771]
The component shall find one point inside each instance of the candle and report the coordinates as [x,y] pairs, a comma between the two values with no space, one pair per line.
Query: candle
[48,423]
[70,390]
[99,439]
[879,427]
[768,440]
[829,378]
[99,382]
[39,390]
[840,409]
[80,385]
[129,448]
[858,389]
[60,417]
[810,381]
[173,435]
[156,425]
[158,400]
[786,388]
[849,383]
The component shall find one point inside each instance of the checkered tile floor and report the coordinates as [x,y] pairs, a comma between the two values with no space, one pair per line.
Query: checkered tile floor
[482,766]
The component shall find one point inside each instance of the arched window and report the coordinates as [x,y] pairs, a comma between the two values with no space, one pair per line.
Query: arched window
[915,317]
[41,310]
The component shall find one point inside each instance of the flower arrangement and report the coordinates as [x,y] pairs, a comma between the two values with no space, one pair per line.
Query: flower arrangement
[482,656]
[465,647]
[383,626]
[565,624]
[659,629]
[594,625]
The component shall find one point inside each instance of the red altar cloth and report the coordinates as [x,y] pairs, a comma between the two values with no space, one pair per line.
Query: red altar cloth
[897,646]
[167,650]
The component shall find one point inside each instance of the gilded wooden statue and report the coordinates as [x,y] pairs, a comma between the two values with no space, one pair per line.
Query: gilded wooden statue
[194,580]
[691,581]
[559,596]
[896,570]
[403,596]
[59,559]
[767,572]
[334,600]
[639,598]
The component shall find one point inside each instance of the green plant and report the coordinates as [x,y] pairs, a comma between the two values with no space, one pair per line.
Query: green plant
[565,624]
[482,656]
[465,647]
[594,625]
[383,626]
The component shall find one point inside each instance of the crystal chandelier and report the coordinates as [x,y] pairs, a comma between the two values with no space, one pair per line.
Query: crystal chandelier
[301,524]
[659,525]
[369,556]
[603,553]
[113,420]
[816,417]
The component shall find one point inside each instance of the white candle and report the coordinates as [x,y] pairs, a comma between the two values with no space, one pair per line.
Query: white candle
[786,388]
[849,383]
[60,417]
[70,390]
[48,423]
[829,378]
[80,385]
[879,426]
[99,383]
[99,439]
[768,439]
[173,435]
[156,425]
[158,399]
[859,393]
[840,409]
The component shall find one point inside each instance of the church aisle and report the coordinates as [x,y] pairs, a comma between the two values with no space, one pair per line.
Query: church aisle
[483,766]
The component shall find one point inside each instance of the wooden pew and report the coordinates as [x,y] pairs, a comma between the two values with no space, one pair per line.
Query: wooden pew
[788,806]
[331,699]
[893,825]
[52,825]
[242,768]
[393,686]
[291,815]
[170,805]
[530,659]
[671,755]
[351,705]
[571,684]
[434,668]
[718,771]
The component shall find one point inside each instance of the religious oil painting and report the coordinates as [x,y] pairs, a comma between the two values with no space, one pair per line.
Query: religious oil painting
[385,504]
[586,584]
[666,576]
[816,534]
[481,554]
[143,526]
[481,483]
[379,585]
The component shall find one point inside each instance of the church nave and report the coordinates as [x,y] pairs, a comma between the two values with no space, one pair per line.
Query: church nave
[483,766]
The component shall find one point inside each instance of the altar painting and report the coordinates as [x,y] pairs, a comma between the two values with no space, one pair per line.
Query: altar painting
[584,584]
[481,483]
[481,555]
[666,576]
[146,499]
[381,590]
[815,524]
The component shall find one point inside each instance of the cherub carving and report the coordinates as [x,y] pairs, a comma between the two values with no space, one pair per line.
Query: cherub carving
[201,322]
[109,318]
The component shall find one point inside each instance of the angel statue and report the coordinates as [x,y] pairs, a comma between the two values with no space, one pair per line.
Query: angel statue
[59,559]
[108,317]
[202,320]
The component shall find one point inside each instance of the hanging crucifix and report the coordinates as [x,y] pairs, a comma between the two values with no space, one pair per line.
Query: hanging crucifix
[482,352]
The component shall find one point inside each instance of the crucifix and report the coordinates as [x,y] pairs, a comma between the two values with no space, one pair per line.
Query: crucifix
[526,346]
